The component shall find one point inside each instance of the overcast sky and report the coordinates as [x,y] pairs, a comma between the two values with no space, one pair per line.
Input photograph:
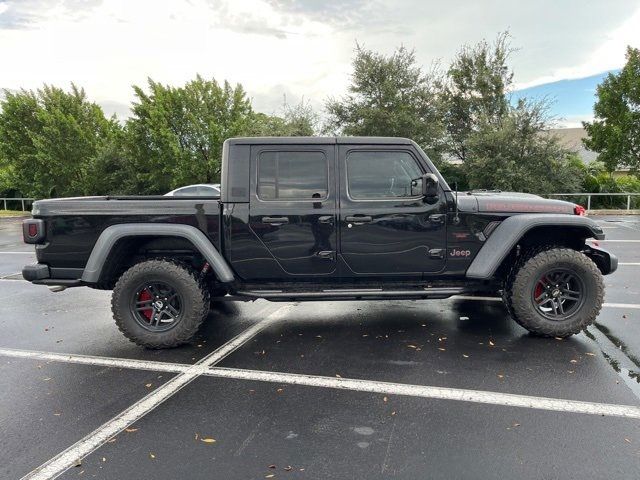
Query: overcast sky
[301,48]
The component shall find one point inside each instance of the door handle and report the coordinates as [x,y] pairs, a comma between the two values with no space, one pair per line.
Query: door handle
[437,218]
[326,219]
[275,220]
[359,219]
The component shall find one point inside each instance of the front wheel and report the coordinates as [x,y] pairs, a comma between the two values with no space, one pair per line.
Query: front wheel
[159,303]
[555,293]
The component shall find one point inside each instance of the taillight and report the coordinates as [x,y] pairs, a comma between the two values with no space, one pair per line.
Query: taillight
[579,210]
[33,230]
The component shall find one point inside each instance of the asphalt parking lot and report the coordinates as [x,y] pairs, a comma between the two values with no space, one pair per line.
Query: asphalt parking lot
[345,390]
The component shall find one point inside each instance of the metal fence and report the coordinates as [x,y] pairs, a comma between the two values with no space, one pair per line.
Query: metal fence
[623,201]
[22,202]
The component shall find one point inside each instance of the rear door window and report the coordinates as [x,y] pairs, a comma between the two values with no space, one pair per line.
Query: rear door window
[286,175]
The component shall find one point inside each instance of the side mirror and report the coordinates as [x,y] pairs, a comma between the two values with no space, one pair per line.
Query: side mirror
[429,186]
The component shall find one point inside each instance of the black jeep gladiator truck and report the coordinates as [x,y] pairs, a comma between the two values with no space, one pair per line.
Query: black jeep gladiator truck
[337,218]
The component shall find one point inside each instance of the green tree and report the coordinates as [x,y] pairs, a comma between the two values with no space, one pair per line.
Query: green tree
[389,96]
[175,134]
[49,139]
[297,120]
[615,131]
[519,154]
[475,92]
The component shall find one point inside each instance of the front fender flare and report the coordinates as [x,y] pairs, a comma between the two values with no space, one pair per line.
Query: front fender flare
[511,230]
[112,234]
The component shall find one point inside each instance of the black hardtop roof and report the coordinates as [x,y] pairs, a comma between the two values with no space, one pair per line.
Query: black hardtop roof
[318,140]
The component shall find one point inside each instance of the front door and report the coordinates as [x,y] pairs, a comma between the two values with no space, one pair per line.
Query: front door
[386,226]
[293,207]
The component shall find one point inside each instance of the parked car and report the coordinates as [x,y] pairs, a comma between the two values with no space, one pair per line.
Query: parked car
[351,218]
[198,190]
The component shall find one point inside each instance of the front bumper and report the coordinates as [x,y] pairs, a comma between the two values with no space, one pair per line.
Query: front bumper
[606,261]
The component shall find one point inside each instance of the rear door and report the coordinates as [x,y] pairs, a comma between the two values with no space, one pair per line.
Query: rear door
[386,226]
[293,207]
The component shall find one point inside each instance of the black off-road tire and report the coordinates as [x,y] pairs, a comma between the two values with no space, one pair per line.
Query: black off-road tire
[524,276]
[183,279]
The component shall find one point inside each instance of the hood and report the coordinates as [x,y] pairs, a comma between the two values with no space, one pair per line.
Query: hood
[511,202]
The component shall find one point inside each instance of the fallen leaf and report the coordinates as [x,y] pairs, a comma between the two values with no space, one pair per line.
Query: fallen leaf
[500,376]
[628,440]
[411,346]
[208,440]
[280,390]
[337,375]
[148,385]
[151,455]
[57,414]
[385,399]
[111,440]
[465,356]
[78,463]
[393,413]
[130,430]
[104,459]
[590,354]
[515,425]
[288,468]
[271,466]
[573,360]
[196,436]
[271,475]
[491,343]
[442,349]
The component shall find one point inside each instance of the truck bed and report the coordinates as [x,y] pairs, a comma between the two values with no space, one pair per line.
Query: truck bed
[73,225]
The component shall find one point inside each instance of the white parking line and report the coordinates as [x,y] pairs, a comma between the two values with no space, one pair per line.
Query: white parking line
[204,367]
[96,361]
[630,263]
[425,391]
[634,306]
[69,457]
[614,241]
[17,253]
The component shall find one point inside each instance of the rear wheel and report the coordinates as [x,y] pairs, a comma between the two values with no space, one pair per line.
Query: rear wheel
[159,303]
[556,292]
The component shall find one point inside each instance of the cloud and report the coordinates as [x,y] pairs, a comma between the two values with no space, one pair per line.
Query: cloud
[23,14]
[297,47]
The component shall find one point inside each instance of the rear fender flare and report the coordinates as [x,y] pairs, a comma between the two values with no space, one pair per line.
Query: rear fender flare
[512,229]
[112,234]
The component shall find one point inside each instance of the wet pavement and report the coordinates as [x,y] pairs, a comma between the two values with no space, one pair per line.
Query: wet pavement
[171,418]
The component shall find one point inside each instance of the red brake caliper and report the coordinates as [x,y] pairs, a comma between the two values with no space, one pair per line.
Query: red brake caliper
[538,290]
[144,296]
